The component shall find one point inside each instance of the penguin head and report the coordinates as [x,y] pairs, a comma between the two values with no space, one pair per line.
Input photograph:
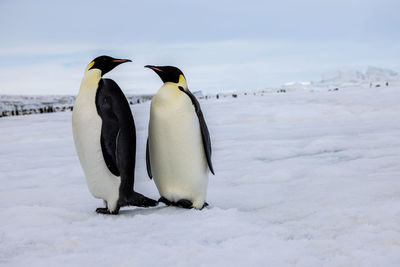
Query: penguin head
[105,63]
[170,74]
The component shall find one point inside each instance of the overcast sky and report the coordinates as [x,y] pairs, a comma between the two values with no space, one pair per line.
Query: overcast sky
[219,45]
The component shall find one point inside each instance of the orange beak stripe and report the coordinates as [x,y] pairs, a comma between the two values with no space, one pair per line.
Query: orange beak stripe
[157,69]
[120,60]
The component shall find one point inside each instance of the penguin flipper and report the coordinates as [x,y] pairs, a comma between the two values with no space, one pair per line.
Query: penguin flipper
[205,135]
[109,128]
[118,134]
[148,159]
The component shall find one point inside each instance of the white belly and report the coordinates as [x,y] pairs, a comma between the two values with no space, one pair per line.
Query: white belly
[177,157]
[86,126]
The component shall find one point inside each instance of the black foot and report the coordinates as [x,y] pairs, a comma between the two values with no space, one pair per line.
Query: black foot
[139,200]
[205,205]
[106,211]
[184,203]
[165,201]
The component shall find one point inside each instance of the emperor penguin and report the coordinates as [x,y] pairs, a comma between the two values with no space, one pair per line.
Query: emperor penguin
[178,153]
[105,138]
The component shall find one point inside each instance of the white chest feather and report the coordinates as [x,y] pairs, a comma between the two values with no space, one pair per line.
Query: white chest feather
[177,156]
[86,126]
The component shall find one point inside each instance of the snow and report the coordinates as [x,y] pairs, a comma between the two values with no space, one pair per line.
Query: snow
[304,179]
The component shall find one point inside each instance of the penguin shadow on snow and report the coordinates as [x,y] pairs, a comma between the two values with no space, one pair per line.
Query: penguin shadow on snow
[140,211]
[160,209]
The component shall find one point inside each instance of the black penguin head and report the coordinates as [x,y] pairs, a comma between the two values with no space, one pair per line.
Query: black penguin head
[167,73]
[106,63]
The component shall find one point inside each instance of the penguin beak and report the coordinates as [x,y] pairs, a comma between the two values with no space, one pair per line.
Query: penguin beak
[120,61]
[153,68]
[159,71]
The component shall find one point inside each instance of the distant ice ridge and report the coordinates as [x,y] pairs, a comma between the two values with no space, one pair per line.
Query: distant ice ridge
[378,74]
[351,76]
[373,77]
[373,74]
[292,86]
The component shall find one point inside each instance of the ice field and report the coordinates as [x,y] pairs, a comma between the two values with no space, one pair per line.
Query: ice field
[302,178]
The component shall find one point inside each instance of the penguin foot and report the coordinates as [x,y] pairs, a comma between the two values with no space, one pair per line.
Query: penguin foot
[205,205]
[139,200]
[165,201]
[106,211]
[184,203]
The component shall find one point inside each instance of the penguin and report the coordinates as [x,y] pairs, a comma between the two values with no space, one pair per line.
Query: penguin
[178,151]
[105,138]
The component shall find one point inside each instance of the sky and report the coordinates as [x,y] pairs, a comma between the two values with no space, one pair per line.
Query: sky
[219,45]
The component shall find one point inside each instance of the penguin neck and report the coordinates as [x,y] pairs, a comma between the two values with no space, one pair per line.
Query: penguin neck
[91,79]
[170,90]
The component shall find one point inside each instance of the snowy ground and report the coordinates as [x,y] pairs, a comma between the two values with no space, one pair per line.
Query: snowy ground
[305,179]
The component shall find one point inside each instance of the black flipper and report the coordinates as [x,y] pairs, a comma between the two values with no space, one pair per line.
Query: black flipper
[109,128]
[203,127]
[148,160]
[118,136]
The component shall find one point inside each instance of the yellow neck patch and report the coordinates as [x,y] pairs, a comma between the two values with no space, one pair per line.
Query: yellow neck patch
[90,65]
[182,81]
[180,78]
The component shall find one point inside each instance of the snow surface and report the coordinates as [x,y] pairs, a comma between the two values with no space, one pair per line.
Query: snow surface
[304,179]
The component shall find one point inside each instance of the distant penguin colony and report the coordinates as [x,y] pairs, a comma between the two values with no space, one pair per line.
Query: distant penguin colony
[105,138]
[178,152]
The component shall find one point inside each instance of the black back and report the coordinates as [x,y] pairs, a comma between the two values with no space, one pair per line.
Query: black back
[148,166]
[118,133]
[203,127]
